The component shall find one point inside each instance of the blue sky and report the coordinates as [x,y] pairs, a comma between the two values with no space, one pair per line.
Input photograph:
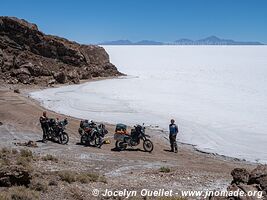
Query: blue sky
[93,21]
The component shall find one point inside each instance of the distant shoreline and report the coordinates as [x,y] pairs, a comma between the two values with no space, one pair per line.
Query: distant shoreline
[191,147]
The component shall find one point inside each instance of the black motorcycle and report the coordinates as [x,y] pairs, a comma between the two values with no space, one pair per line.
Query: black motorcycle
[137,135]
[56,131]
[91,133]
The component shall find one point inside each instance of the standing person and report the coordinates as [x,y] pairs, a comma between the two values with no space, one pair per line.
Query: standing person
[173,133]
[44,125]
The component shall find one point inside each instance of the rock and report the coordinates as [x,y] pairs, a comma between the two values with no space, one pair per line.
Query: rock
[12,81]
[262,181]
[60,77]
[235,189]
[30,143]
[14,175]
[249,189]
[248,183]
[24,78]
[1,123]
[240,175]
[259,171]
[259,176]
[17,91]
[73,76]
[28,55]
[52,81]
[19,71]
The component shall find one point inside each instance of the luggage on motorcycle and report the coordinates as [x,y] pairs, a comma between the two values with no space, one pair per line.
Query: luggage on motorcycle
[121,129]
[119,136]
[106,142]
[52,122]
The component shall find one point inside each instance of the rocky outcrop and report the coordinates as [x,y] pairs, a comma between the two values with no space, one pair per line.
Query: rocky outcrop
[246,184]
[240,175]
[29,56]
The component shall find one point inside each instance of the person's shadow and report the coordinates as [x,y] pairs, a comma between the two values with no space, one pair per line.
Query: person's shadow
[167,150]
[118,149]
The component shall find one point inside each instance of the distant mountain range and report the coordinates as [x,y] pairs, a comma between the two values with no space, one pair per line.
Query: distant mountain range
[212,40]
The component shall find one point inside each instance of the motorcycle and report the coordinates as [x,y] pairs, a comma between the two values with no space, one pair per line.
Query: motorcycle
[137,135]
[56,131]
[91,133]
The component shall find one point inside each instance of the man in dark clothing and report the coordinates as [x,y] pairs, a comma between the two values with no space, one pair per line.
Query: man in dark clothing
[173,133]
[44,125]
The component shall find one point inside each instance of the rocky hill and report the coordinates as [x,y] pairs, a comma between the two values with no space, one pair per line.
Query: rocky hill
[29,56]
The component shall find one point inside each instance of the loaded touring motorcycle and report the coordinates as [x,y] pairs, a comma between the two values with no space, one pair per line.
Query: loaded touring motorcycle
[56,131]
[137,135]
[91,133]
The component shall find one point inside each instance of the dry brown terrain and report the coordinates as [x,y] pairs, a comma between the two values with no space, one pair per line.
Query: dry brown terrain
[131,169]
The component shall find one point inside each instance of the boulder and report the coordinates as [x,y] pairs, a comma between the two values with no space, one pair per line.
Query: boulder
[248,183]
[60,77]
[24,78]
[262,181]
[239,192]
[19,71]
[12,81]
[254,188]
[73,76]
[259,176]
[51,81]
[17,91]
[14,175]
[240,175]
[258,172]
[36,70]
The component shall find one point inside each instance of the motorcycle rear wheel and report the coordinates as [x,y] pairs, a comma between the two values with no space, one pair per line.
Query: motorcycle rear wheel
[83,139]
[148,145]
[120,145]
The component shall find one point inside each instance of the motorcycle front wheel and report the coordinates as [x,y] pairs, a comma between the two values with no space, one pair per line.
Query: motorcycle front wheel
[120,145]
[148,145]
[63,138]
[97,141]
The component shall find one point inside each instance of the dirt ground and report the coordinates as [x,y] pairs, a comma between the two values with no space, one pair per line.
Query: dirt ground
[132,169]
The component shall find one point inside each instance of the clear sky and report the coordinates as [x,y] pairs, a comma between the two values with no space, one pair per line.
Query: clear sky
[93,21]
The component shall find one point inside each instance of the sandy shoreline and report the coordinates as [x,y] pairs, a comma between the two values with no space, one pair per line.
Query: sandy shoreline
[26,92]
[190,169]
